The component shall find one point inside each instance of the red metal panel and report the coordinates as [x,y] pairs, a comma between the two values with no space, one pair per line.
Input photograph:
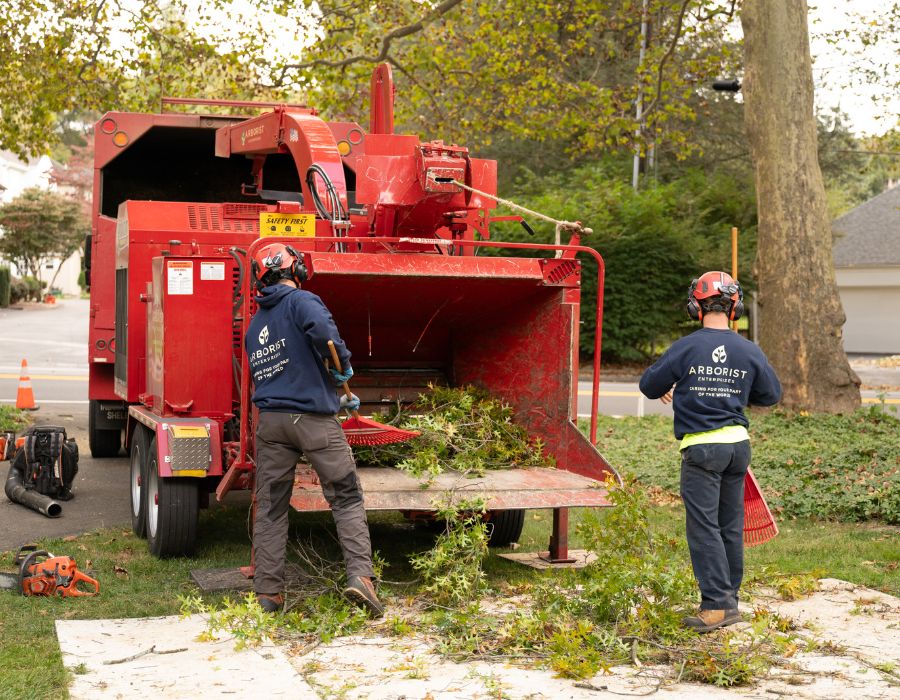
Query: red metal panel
[134,125]
[482,176]
[414,264]
[189,347]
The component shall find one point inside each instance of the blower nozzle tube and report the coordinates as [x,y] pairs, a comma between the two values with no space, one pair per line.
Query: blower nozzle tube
[17,493]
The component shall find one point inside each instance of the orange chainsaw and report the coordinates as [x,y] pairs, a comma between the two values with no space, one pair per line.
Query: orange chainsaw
[41,573]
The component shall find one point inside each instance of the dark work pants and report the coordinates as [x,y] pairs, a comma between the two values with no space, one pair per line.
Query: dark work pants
[280,439]
[712,487]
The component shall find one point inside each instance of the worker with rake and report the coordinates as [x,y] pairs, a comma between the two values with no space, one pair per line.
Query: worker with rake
[295,394]
[709,377]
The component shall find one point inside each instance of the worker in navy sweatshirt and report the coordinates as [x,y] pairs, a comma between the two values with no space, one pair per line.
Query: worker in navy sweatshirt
[709,377]
[295,394]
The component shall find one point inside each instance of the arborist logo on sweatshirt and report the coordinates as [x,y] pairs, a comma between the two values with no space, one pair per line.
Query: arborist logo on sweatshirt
[719,355]
[264,336]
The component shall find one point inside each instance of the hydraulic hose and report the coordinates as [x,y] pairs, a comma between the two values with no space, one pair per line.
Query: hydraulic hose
[337,212]
[17,493]
[238,295]
[238,301]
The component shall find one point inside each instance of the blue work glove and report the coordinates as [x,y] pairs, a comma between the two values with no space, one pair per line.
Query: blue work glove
[341,377]
[349,403]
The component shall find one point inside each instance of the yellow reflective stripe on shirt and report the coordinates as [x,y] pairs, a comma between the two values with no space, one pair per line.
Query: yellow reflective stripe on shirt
[730,433]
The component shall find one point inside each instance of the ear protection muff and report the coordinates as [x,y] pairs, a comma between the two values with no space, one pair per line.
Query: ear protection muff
[693,308]
[737,309]
[255,270]
[298,269]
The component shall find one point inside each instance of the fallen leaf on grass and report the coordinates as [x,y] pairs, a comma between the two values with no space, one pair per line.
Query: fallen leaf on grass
[120,571]
[70,538]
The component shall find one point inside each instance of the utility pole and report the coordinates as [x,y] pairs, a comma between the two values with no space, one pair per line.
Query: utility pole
[636,170]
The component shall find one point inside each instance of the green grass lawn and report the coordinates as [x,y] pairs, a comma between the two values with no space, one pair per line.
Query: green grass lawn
[31,663]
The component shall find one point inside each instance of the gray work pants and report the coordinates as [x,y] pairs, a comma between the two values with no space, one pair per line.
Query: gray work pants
[712,488]
[280,439]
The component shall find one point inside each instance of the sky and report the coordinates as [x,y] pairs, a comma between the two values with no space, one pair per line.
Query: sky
[833,71]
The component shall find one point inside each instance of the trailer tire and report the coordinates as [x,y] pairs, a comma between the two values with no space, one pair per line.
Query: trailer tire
[507,527]
[103,443]
[140,444]
[172,511]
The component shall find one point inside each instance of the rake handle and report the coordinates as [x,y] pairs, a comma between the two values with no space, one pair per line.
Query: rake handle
[337,365]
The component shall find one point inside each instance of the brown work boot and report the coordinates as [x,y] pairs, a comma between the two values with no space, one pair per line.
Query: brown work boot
[270,603]
[709,620]
[361,591]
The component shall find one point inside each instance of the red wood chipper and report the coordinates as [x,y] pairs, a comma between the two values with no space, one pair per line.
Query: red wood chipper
[393,231]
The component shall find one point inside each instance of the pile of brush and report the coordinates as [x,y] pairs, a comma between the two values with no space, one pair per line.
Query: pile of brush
[460,429]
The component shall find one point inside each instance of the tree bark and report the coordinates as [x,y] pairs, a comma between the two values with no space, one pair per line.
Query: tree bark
[800,312]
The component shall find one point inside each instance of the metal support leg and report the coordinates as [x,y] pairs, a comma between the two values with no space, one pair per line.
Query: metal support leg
[559,538]
[249,571]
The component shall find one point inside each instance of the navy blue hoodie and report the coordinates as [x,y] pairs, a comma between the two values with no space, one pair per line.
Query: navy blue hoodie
[286,344]
[716,373]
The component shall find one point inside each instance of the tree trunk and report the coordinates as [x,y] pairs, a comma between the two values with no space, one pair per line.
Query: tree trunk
[800,315]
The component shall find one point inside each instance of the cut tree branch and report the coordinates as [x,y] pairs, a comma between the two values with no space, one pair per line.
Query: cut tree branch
[398,33]
[662,62]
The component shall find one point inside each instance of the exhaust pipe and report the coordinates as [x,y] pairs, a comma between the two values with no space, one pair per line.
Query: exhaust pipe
[17,493]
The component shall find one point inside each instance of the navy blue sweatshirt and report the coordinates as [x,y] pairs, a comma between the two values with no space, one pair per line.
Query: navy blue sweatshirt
[286,344]
[716,373]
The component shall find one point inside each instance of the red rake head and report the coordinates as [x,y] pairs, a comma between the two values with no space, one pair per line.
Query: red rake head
[759,523]
[361,432]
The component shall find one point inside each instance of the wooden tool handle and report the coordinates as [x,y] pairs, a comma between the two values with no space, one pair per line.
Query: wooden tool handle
[337,365]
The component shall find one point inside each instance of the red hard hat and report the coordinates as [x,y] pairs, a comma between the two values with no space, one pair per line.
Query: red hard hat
[720,292]
[714,284]
[274,256]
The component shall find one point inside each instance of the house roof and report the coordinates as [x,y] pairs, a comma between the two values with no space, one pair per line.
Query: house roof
[870,233]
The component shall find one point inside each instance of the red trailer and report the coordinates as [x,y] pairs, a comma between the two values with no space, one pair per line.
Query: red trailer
[394,232]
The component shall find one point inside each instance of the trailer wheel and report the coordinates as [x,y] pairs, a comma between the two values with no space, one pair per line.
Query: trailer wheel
[507,527]
[172,511]
[140,443]
[103,443]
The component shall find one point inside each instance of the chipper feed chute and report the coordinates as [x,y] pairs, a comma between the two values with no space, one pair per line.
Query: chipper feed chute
[504,324]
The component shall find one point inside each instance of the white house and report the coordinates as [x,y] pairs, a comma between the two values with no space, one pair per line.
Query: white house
[867,266]
[16,176]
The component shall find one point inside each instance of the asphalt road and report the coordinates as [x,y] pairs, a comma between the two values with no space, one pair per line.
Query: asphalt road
[53,339]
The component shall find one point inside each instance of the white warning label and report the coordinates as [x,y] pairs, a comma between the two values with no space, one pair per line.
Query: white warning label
[180,277]
[212,271]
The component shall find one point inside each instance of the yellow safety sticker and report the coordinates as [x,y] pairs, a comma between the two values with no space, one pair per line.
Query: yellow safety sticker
[189,431]
[188,472]
[294,225]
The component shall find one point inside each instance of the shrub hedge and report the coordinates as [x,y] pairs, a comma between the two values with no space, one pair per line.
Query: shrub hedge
[822,466]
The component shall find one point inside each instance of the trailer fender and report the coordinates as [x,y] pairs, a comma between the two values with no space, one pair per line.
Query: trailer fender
[189,447]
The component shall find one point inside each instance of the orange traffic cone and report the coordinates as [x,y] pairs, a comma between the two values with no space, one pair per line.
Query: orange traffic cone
[25,396]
